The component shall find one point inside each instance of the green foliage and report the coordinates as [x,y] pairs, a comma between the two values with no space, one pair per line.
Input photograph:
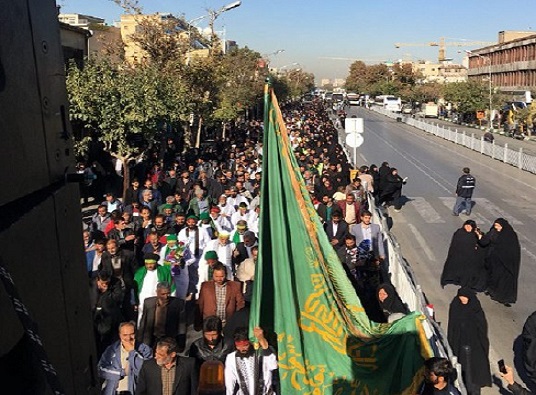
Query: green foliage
[240,81]
[116,101]
[423,93]
[299,82]
[469,96]
[281,88]
[379,79]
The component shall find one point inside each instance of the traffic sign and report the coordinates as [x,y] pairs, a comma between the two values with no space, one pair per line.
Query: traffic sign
[354,125]
[354,140]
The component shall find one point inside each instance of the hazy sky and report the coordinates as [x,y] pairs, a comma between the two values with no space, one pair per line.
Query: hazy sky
[314,32]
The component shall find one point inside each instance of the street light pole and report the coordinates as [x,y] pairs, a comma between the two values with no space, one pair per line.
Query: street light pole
[280,69]
[190,25]
[267,55]
[213,15]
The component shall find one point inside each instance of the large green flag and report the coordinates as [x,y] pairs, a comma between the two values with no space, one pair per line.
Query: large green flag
[326,342]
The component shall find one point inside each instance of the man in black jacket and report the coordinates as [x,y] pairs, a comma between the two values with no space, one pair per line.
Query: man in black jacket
[336,229]
[168,373]
[464,192]
[121,264]
[106,296]
[243,249]
[211,346]
[163,316]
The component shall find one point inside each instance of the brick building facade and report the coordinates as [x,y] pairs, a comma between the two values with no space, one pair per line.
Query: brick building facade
[511,62]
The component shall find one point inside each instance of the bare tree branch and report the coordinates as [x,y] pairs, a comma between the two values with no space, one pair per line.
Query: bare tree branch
[130,6]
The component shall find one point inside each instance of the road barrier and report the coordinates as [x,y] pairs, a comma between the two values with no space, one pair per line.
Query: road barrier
[403,278]
[504,154]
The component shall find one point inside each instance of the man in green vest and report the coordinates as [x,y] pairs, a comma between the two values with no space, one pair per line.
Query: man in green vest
[148,276]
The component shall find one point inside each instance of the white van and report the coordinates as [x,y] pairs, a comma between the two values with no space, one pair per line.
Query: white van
[392,103]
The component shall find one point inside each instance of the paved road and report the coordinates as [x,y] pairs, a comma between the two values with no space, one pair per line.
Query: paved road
[425,225]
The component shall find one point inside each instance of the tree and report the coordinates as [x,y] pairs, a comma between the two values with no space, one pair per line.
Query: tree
[356,77]
[118,103]
[299,82]
[240,79]
[468,96]
[427,92]
[380,79]
[162,38]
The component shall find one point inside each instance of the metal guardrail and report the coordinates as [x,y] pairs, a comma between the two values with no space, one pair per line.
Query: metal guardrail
[516,158]
[403,279]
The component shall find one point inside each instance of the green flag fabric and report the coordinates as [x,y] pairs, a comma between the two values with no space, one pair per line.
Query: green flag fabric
[326,343]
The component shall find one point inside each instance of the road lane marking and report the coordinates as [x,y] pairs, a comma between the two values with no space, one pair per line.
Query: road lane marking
[425,210]
[418,164]
[525,207]
[495,210]
[422,243]
[439,143]
[480,219]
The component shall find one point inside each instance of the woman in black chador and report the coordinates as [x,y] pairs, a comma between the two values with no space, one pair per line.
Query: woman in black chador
[392,306]
[468,327]
[503,259]
[465,260]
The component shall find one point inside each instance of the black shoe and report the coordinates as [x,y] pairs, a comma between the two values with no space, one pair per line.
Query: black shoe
[486,293]
[507,305]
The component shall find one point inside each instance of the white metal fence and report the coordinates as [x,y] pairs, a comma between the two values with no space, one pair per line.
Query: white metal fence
[504,154]
[403,279]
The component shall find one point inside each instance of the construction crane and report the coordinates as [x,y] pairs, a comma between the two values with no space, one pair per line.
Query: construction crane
[354,59]
[442,44]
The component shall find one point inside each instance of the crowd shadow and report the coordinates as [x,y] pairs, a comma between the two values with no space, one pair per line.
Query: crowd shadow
[364,363]
[500,385]
[386,213]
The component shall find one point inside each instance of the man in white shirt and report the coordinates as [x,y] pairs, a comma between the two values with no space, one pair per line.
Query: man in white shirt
[227,210]
[196,239]
[246,364]
[222,224]
[242,214]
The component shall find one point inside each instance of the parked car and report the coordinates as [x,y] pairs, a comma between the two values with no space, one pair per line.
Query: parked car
[407,109]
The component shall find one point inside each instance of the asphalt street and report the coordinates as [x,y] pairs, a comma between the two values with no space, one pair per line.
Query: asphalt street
[425,225]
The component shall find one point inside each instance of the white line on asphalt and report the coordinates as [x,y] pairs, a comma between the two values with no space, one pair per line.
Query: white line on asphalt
[418,164]
[477,216]
[427,251]
[525,207]
[478,162]
[496,211]
[363,157]
[530,254]
[425,210]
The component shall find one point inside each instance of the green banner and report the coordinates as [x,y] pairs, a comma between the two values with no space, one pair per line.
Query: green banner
[326,342]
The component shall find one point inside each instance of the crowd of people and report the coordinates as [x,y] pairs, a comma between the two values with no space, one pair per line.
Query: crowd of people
[171,265]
